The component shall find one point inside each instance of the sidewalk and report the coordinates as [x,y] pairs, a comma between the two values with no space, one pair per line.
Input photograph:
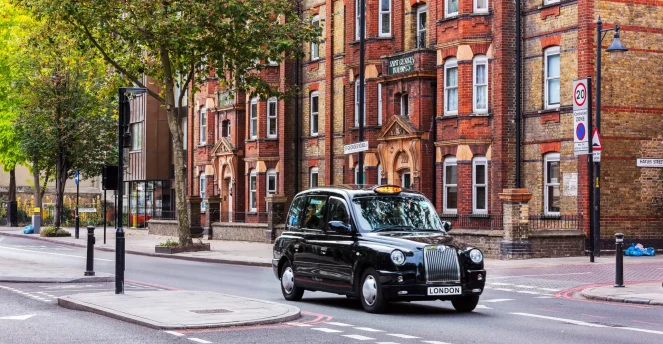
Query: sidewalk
[640,293]
[14,270]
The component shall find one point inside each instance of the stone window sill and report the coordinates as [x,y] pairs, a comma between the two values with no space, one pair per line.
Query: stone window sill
[371,39]
[487,114]
[480,216]
[448,215]
[551,110]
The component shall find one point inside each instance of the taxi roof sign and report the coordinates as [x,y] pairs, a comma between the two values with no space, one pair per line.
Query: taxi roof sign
[388,189]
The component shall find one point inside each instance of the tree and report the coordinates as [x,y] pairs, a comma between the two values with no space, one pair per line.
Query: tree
[179,43]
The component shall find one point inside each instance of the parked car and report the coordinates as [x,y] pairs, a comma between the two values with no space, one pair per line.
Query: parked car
[377,244]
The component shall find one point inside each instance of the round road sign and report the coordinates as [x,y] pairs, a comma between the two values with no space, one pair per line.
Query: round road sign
[580,94]
[580,131]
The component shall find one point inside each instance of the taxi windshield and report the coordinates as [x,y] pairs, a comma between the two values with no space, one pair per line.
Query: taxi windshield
[396,213]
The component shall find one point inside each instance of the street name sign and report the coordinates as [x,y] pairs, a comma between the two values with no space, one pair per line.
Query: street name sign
[650,162]
[580,117]
[355,147]
[401,64]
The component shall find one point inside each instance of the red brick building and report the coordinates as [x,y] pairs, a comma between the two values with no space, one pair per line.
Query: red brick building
[441,117]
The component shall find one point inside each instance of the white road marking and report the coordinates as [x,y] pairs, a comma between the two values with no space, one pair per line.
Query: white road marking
[198,340]
[568,321]
[503,289]
[357,337]
[640,330]
[55,254]
[299,324]
[404,336]
[497,300]
[543,297]
[17,317]
[434,342]
[326,330]
[570,273]
[175,333]
[528,292]
[482,307]
[498,283]
[524,286]
[338,324]
[367,329]
[550,289]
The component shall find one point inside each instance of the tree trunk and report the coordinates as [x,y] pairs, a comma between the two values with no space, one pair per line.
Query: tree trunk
[44,187]
[60,181]
[12,185]
[35,181]
[180,164]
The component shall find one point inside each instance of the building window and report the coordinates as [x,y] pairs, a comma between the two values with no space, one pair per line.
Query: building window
[271,118]
[185,134]
[552,69]
[450,185]
[551,188]
[203,125]
[252,191]
[422,22]
[357,103]
[480,185]
[406,180]
[480,94]
[315,112]
[314,177]
[480,6]
[385,18]
[358,20]
[405,106]
[379,174]
[225,128]
[379,104]
[253,124]
[550,2]
[450,8]
[271,181]
[451,87]
[203,194]
[315,47]
[136,136]
[357,176]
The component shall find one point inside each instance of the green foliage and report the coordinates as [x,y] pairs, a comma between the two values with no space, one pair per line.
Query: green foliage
[53,232]
[169,243]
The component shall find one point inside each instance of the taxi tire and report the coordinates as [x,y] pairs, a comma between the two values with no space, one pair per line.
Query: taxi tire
[380,304]
[465,304]
[296,293]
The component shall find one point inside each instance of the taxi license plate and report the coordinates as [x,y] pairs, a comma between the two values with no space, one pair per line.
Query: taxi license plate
[444,290]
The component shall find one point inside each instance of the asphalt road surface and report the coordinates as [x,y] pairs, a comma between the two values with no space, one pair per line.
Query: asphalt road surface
[519,306]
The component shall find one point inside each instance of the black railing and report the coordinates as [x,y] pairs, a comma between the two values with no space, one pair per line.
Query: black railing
[546,222]
[475,221]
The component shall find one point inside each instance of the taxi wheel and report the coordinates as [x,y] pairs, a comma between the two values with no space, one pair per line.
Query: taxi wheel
[370,292]
[465,304]
[290,291]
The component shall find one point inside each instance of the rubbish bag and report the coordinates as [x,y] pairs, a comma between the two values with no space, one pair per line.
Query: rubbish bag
[29,230]
[639,250]
[633,251]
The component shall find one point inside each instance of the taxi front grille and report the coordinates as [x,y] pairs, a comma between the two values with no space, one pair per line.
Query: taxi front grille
[441,263]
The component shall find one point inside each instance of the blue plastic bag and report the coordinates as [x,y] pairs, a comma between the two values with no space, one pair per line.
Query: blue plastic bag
[29,230]
[637,251]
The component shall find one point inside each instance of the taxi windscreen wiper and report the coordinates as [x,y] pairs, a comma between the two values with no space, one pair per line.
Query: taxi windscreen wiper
[388,228]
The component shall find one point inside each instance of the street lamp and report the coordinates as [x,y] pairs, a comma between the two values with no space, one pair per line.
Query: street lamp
[123,140]
[616,46]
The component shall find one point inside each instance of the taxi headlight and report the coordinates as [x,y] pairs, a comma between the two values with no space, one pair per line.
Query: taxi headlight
[398,257]
[476,256]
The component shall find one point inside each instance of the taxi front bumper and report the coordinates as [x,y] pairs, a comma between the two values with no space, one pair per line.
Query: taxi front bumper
[411,290]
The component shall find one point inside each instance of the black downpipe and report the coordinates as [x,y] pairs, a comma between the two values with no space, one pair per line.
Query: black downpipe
[433,139]
[298,115]
[518,92]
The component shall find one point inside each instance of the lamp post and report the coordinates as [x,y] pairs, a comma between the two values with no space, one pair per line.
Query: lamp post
[362,86]
[123,140]
[616,46]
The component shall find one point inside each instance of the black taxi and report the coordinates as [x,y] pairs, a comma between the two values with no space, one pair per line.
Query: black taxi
[377,244]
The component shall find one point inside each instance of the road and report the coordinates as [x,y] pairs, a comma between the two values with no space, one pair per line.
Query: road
[520,306]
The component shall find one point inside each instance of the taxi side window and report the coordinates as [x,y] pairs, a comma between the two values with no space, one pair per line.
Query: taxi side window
[338,211]
[314,213]
[294,220]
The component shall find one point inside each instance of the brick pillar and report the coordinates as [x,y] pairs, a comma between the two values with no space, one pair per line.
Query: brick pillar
[275,215]
[193,210]
[515,209]
[212,214]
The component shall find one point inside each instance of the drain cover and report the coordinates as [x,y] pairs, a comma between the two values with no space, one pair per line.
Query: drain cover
[211,311]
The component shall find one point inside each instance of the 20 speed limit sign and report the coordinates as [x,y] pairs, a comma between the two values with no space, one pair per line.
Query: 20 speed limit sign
[580,117]
[580,95]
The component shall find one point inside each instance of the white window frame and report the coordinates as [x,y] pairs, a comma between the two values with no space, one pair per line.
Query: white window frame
[450,64]
[315,47]
[380,120]
[314,171]
[479,60]
[137,136]
[421,10]
[448,14]
[203,125]
[449,162]
[271,174]
[253,193]
[253,119]
[549,157]
[202,184]
[273,116]
[476,162]
[357,102]
[357,174]
[384,12]
[480,10]
[315,115]
[550,2]
[379,174]
[405,108]
[409,173]
[357,21]
[550,52]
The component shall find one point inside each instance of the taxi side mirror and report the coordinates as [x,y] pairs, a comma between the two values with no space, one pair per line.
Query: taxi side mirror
[447,226]
[339,227]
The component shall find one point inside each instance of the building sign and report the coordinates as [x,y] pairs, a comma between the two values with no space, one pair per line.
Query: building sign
[571,184]
[580,117]
[355,147]
[401,64]
[650,162]
[87,210]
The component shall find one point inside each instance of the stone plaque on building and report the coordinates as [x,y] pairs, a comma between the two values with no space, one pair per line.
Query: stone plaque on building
[401,64]
[571,184]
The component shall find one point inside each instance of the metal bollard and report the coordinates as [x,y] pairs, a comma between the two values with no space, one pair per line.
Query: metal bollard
[119,260]
[89,266]
[619,260]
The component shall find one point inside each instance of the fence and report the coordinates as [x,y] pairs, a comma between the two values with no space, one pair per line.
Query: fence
[542,222]
[492,222]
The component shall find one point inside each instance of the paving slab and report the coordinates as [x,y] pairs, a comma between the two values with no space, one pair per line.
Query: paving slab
[181,309]
[13,270]
[640,293]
